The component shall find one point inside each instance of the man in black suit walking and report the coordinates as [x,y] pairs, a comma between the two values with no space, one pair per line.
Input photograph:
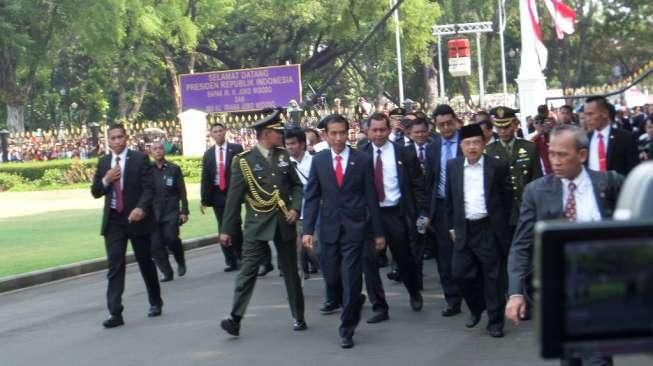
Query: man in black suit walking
[216,171]
[341,188]
[445,146]
[399,184]
[610,148]
[170,211]
[124,178]
[572,192]
[478,201]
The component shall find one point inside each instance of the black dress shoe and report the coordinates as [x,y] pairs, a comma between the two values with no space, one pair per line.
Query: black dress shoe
[299,325]
[346,342]
[166,278]
[329,308]
[378,317]
[307,276]
[313,271]
[181,270]
[230,268]
[265,270]
[393,275]
[472,320]
[496,331]
[113,321]
[155,310]
[451,311]
[230,326]
[416,302]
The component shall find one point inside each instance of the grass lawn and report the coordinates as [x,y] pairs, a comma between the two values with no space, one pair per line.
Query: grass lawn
[30,243]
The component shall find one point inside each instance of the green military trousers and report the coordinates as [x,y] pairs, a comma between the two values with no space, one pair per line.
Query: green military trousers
[253,255]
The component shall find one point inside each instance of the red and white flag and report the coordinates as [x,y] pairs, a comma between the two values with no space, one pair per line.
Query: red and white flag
[540,49]
[563,16]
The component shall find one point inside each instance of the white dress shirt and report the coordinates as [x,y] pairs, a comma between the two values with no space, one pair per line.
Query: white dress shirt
[587,209]
[474,190]
[594,146]
[345,159]
[123,163]
[217,161]
[390,176]
[303,168]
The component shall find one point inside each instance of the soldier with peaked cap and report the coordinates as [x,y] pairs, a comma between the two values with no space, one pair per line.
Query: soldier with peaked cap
[263,178]
[520,155]
[523,166]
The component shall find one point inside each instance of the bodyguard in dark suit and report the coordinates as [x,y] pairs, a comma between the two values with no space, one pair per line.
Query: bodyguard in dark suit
[341,189]
[478,201]
[400,189]
[170,211]
[265,181]
[124,178]
[445,146]
[214,188]
[573,193]
[610,148]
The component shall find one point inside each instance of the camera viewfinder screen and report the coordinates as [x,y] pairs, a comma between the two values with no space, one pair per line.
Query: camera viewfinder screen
[609,287]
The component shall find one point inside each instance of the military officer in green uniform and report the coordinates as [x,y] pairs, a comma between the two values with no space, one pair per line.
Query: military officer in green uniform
[264,179]
[521,156]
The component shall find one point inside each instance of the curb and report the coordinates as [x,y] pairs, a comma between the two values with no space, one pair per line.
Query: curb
[75,269]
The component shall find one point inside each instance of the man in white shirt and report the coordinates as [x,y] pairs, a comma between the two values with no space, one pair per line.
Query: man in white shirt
[295,140]
[573,193]
[479,202]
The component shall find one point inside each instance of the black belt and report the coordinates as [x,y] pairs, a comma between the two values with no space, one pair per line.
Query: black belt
[390,208]
[484,220]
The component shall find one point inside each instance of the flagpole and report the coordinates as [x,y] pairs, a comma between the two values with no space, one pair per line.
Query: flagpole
[398,46]
[502,28]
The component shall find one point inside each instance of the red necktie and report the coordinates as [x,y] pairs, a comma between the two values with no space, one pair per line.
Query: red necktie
[570,206]
[117,189]
[378,176]
[221,174]
[603,161]
[339,174]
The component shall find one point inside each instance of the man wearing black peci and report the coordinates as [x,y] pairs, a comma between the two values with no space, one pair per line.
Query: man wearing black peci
[340,190]
[124,178]
[214,188]
[478,201]
[170,211]
[399,184]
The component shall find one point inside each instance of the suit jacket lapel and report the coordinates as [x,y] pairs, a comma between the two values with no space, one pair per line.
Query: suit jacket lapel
[555,201]
[488,176]
[610,151]
[399,164]
[126,168]
[351,163]
[599,194]
[459,178]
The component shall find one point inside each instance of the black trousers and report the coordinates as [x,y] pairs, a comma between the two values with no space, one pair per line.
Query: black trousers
[444,255]
[373,282]
[477,267]
[115,242]
[165,240]
[342,263]
[234,252]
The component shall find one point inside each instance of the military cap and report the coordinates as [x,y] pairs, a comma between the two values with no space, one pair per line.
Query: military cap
[503,116]
[400,112]
[272,120]
[472,130]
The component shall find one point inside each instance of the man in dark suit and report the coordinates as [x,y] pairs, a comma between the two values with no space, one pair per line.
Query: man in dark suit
[445,146]
[610,148]
[478,201]
[124,178]
[572,192]
[400,189]
[341,189]
[214,188]
[265,181]
[170,211]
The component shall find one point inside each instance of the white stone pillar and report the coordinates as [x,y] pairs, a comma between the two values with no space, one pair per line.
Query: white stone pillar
[193,132]
[531,81]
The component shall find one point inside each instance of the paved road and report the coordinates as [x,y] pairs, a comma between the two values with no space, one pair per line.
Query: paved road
[59,324]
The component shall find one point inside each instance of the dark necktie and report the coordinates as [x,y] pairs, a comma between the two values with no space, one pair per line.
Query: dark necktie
[378,176]
[570,206]
[421,154]
[117,189]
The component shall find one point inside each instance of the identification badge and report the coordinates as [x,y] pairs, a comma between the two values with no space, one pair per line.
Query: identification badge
[258,167]
[169,181]
[282,164]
